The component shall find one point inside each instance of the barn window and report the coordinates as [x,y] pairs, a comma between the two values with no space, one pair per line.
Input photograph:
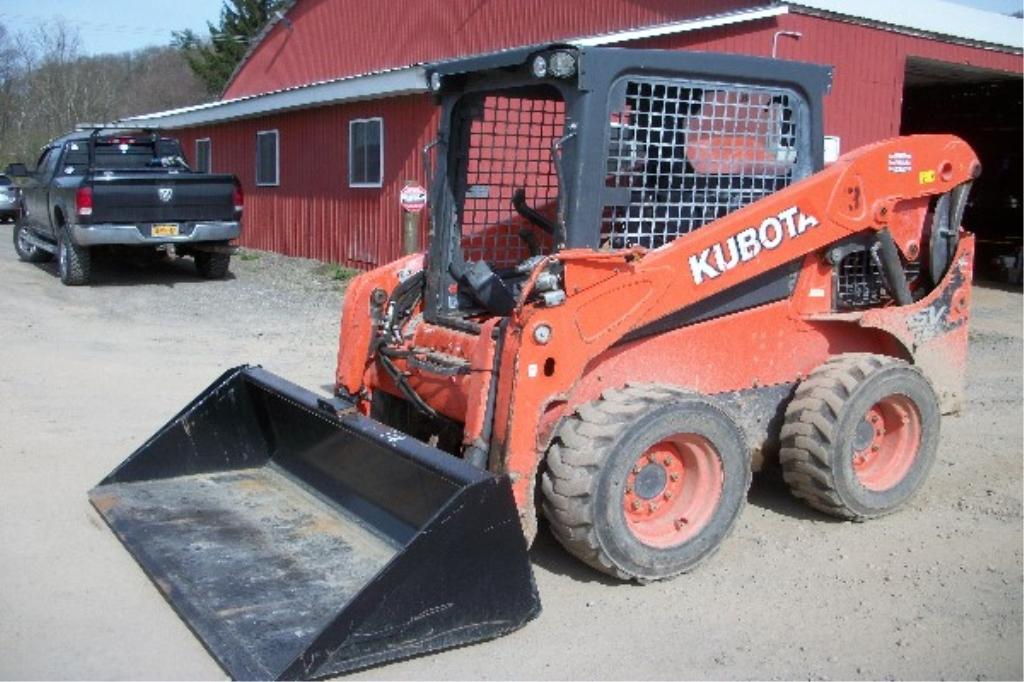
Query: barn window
[268,164]
[203,155]
[365,152]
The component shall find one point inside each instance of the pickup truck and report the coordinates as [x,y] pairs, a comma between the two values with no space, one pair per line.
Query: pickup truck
[111,188]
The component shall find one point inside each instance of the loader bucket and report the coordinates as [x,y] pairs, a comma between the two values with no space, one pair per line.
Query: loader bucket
[298,541]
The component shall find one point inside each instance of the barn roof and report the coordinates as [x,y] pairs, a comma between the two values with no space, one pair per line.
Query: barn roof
[928,18]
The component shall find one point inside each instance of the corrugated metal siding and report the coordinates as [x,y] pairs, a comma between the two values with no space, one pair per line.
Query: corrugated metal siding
[333,38]
[313,212]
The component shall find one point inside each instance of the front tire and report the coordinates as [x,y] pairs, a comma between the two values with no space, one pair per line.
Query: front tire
[646,482]
[74,262]
[26,251]
[860,436]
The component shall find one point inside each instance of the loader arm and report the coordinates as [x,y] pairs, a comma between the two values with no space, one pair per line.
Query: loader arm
[612,293]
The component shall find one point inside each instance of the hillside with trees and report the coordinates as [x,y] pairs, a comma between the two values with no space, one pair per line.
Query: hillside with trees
[47,84]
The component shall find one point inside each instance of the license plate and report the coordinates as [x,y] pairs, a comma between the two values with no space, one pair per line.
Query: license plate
[165,230]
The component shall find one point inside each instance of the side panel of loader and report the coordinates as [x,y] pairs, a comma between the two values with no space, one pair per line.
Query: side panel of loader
[298,542]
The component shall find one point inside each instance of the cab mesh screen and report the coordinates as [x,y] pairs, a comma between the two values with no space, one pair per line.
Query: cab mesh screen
[506,145]
[685,154]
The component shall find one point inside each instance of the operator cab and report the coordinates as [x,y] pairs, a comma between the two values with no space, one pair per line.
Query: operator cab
[542,150]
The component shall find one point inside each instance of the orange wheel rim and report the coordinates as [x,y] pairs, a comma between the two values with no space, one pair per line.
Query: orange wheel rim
[886,442]
[672,490]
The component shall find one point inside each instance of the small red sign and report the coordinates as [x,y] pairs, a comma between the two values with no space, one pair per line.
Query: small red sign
[413,198]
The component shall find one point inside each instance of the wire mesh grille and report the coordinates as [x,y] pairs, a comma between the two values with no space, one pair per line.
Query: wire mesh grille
[689,153]
[860,283]
[509,148]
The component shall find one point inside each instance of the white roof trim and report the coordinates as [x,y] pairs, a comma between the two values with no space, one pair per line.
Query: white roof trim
[401,81]
[675,27]
[386,83]
[927,18]
[930,18]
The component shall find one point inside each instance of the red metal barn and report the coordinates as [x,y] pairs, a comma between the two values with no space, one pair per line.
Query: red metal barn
[325,119]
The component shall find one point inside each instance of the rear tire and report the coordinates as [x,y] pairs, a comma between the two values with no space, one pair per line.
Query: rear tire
[646,482]
[27,252]
[860,436]
[211,265]
[74,262]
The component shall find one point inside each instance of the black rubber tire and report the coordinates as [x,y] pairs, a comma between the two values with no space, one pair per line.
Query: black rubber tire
[590,458]
[74,262]
[27,252]
[212,265]
[819,433]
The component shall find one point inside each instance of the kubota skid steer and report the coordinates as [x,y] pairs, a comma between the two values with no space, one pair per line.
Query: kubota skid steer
[641,283]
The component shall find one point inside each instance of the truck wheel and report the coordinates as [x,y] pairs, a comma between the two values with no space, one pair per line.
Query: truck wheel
[74,262]
[860,436]
[212,265]
[26,251]
[646,482]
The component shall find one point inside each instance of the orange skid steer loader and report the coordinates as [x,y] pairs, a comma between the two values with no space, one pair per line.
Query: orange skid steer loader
[641,285]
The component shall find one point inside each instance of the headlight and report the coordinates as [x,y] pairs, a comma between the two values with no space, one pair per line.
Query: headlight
[539,67]
[435,81]
[562,64]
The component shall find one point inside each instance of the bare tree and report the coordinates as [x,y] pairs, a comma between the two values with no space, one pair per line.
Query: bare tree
[47,86]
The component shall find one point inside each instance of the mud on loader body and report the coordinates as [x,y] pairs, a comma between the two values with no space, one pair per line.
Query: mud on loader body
[641,284]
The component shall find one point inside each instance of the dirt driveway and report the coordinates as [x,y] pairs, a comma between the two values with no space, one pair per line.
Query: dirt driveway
[87,373]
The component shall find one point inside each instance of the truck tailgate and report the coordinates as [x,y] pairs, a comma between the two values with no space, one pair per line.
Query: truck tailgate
[159,197]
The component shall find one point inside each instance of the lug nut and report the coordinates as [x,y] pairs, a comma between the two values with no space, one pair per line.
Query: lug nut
[667,461]
[653,506]
[652,458]
[680,522]
[636,469]
[636,505]
[874,448]
[674,476]
[629,489]
[874,419]
[668,494]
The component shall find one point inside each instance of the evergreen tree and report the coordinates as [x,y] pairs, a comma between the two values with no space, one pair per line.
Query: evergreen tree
[214,60]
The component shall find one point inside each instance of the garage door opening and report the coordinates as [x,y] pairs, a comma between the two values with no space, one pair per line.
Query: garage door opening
[984,108]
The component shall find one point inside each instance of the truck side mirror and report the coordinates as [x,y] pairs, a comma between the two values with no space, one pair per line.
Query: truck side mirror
[16,170]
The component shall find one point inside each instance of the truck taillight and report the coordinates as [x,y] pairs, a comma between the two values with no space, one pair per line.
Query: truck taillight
[83,201]
[239,198]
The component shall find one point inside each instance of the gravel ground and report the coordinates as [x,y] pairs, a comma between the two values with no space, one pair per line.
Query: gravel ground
[87,374]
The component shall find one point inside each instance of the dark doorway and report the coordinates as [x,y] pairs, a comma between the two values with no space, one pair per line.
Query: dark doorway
[984,108]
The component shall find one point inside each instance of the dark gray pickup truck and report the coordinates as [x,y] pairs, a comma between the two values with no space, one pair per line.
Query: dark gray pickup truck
[111,188]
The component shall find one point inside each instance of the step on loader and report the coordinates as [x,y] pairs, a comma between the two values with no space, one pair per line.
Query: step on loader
[641,284]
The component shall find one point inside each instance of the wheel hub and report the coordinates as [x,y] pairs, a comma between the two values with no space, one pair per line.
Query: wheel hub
[885,442]
[864,434]
[650,482]
[672,490]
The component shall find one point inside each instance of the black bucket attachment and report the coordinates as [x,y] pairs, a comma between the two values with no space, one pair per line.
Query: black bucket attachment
[298,541]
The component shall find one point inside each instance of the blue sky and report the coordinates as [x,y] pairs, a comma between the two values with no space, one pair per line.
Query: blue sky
[115,25]
[119,25]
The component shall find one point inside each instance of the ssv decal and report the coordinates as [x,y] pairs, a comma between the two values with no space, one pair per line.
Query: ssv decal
[746,244]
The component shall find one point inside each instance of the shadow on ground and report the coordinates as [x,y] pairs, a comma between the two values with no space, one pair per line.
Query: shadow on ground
[120,271]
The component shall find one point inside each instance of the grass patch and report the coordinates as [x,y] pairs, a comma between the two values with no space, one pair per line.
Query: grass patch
[249,255]
[335,272]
